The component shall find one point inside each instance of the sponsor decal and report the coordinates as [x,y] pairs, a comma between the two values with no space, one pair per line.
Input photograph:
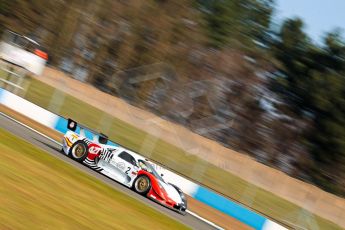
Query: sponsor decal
[68,142]
[106,155]
[74,137]
[94,149]
[121,166]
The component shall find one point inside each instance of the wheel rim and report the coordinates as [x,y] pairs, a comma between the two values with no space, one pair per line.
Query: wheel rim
[78,151]
[142,184]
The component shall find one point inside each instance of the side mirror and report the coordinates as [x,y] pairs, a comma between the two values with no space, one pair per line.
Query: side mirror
[71,125]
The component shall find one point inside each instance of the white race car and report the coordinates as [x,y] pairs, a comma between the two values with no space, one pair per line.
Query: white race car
[122,165]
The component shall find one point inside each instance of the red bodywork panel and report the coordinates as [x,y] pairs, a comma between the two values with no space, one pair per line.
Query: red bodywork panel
[156,192]
[94,151]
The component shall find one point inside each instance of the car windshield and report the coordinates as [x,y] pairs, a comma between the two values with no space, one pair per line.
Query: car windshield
[150,168]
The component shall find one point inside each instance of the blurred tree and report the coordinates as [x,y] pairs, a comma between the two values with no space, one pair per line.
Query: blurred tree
[313,85]
[236,20]
[291,50]
[327,137]
[220,16]
[6,6]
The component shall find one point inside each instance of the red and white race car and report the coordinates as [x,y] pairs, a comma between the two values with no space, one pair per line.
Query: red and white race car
[122,165]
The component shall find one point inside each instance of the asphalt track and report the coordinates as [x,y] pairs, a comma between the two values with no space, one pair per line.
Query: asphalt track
[53,149]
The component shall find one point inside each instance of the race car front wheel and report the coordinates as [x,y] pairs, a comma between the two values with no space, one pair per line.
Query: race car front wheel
[142,185]
[78,151]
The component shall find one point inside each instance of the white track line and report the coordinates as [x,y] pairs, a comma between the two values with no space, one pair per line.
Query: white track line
[206,221]
[28,127]
[58,143]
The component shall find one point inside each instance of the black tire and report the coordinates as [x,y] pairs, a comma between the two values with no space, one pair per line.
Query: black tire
[142,185]
[78,151]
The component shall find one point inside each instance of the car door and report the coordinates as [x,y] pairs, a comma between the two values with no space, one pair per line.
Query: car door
[126,164]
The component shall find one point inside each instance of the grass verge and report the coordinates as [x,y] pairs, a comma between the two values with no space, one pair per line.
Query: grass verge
[216,178]
[39,191]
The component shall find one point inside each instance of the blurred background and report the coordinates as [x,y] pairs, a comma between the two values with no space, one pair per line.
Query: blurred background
[227,70]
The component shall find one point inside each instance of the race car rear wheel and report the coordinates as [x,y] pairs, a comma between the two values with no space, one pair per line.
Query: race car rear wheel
[142,185]
[78,151]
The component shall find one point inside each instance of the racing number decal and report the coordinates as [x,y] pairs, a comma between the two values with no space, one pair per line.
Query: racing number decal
[128,168]
[94,149]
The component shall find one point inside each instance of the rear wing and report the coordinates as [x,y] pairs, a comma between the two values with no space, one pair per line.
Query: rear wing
[96,136]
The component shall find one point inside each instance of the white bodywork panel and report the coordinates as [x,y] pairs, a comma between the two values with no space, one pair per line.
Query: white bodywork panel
[172,192]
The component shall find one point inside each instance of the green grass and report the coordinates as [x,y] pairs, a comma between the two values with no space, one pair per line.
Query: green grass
[39,191]
[176,159]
